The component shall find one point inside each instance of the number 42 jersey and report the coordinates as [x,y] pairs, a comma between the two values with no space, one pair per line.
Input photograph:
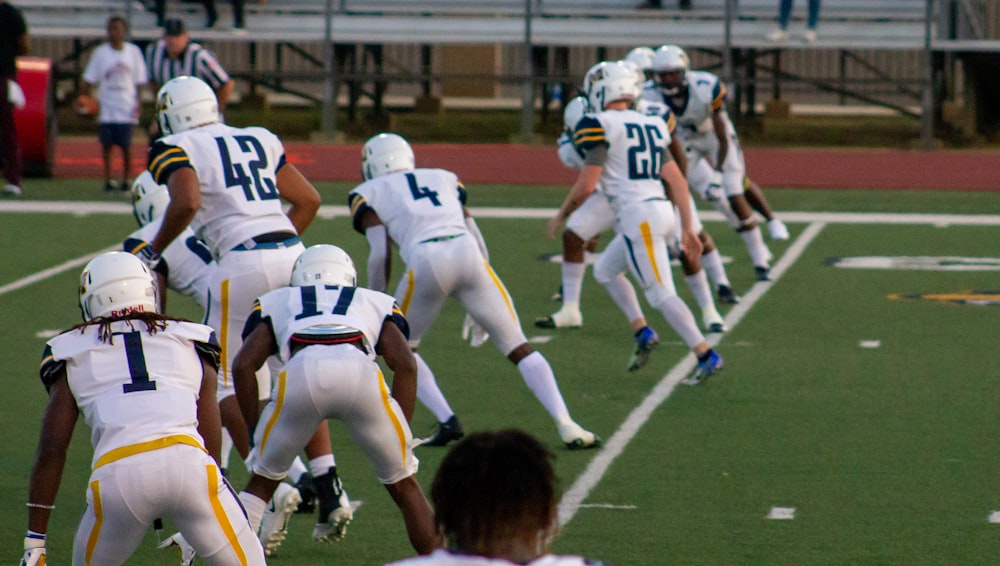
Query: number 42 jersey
[636,146]
[237,169]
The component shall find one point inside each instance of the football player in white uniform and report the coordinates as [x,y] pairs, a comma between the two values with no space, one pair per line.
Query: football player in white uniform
[626,153]
[328,332]
[186,264]
[715,161]
[496,500]
[423,212]
[580,236]
[228,184]
[145,385]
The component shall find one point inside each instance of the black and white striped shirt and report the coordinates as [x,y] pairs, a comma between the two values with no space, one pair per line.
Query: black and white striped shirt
[195,61]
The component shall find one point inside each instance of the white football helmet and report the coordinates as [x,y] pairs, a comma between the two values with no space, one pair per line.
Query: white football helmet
[643,57]
[184,103]
[149,199]
[324,264]
[116,284]
[669,59]
[639,74]
[386,153]
[609,81]
[574,111]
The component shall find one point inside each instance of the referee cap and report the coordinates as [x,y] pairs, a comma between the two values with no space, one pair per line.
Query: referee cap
[174,27]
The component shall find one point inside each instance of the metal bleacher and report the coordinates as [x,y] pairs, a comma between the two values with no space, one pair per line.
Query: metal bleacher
[732,32]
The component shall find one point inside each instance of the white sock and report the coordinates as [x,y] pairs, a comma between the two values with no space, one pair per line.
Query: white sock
[679,317]
[572,282]
[759,254]
[227,447]
[321,464]
[429,393]
[255,508]
[716,271]
[698,283]
[537,373]
[296,470]
[623,294]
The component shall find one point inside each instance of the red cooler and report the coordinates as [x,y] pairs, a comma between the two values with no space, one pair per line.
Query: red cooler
[36,121]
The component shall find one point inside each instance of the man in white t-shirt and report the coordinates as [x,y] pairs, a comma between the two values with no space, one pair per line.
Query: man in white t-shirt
[117,68]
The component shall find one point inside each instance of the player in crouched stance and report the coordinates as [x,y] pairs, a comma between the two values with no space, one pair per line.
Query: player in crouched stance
[423,211]
[328,333]
[496,502]
[145,384]
[625,152]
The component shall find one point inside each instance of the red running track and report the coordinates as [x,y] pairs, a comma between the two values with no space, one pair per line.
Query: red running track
[523,164]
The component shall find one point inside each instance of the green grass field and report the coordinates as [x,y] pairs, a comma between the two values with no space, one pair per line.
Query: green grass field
[867,413]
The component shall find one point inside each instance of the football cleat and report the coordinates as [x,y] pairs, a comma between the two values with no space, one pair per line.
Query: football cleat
[186,551]
[563,318]
[777,229]
[334,515]
[447,431]
[576,438]
[710,365]
[713,321]
[763,272]
[727,295]
[274,523]
[645,340]
[308,493]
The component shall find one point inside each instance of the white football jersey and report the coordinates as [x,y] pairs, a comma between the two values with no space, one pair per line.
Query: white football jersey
[415,206]
[441,557]
[139,388]
[320,310]
[237,168]
[568,153]
[704,95]
[636,147]
[187,260]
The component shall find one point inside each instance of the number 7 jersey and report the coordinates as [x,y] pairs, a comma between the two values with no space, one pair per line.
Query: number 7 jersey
[636,147]
[237,169]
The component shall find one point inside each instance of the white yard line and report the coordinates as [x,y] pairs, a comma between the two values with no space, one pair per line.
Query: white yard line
[52,271]
[332,211]
[581,488]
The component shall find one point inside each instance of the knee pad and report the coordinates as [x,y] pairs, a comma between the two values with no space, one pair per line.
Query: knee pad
[658,294]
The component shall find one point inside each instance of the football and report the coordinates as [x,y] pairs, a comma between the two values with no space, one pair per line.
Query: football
[85,105]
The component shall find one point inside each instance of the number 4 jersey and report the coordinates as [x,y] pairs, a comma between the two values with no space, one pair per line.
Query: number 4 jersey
[636,147]
[415,206]
[139,387]
[237,169]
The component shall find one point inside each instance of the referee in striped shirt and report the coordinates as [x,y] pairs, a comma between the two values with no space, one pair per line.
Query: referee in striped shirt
[176,55]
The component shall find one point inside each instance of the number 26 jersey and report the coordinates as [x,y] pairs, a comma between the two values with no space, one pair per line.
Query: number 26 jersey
[636,146]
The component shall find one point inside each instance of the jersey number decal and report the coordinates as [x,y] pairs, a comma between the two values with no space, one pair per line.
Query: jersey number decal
[645,158]
[309,302]
[136,364]
[419,192]
[253,157]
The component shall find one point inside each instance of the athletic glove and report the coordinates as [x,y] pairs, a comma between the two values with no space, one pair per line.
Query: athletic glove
[475,334]
[149,257]
[714,191]
[34,549]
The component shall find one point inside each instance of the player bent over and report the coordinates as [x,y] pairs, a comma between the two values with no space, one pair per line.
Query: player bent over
[328,333]
[145,385]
